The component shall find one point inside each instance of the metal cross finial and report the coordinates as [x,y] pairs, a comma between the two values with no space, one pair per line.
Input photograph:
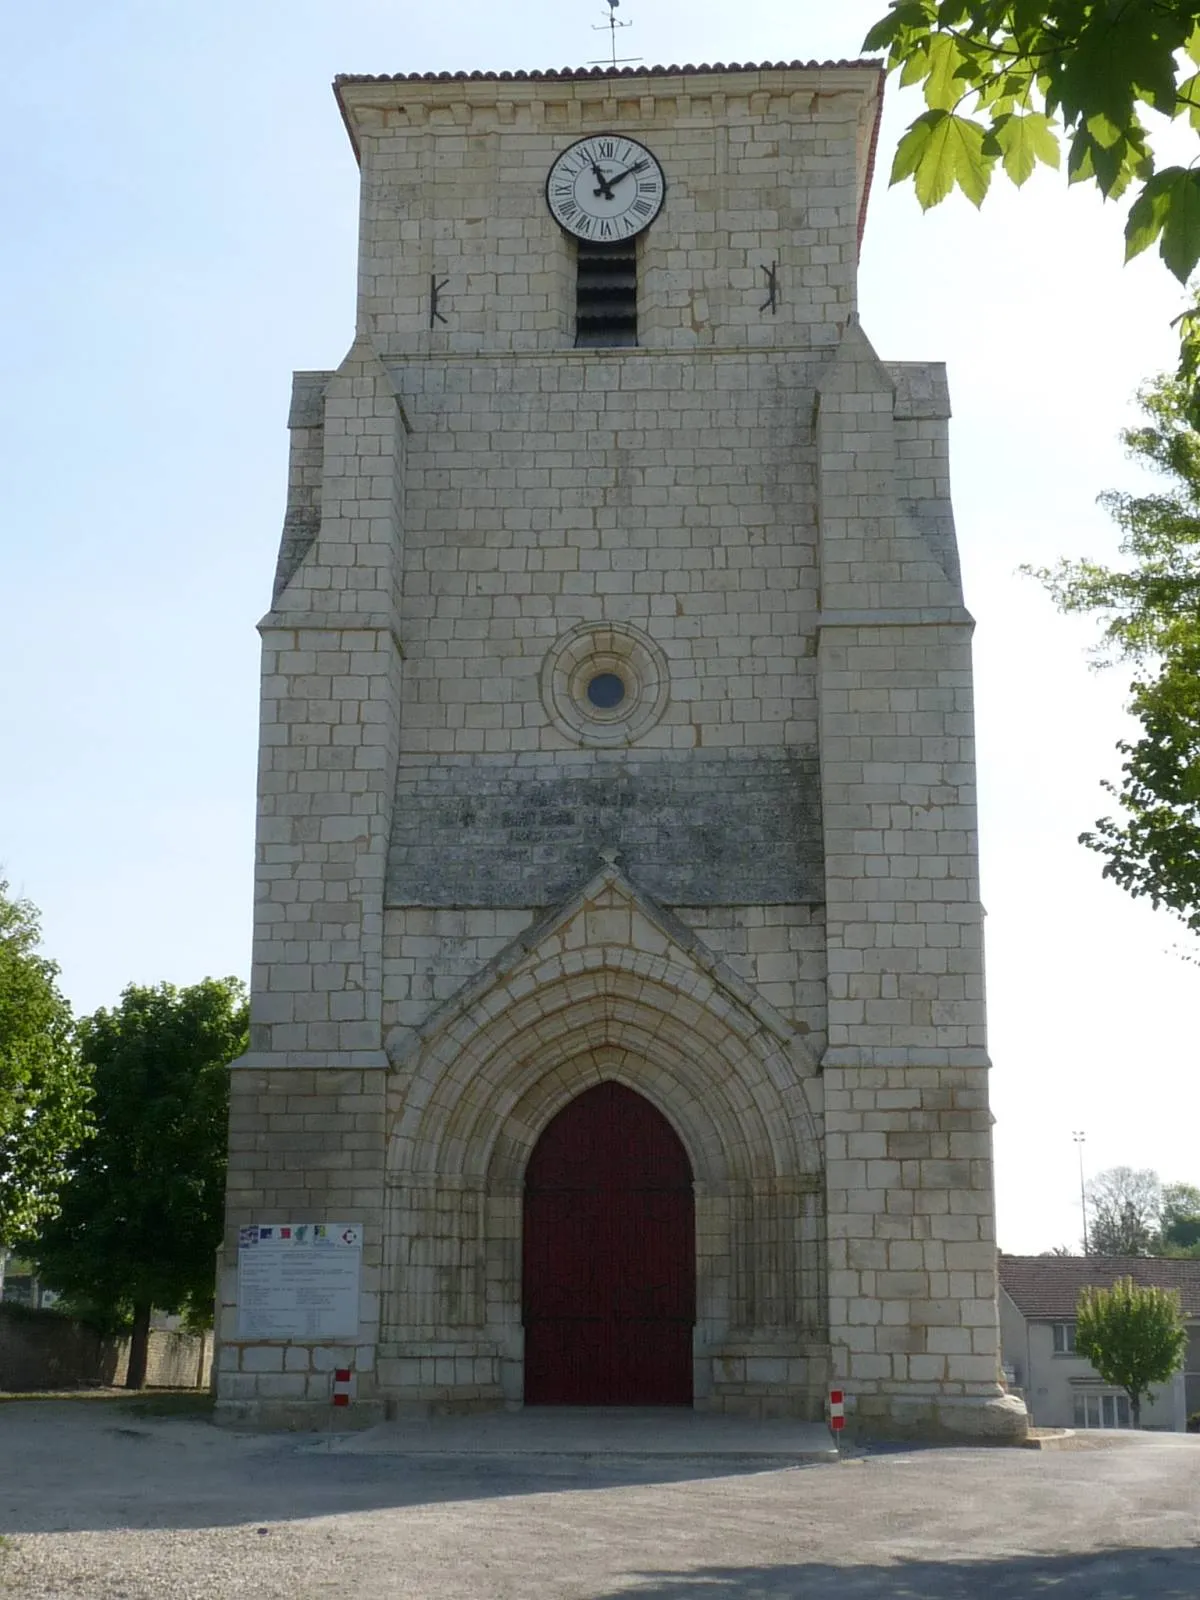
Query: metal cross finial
[612,25]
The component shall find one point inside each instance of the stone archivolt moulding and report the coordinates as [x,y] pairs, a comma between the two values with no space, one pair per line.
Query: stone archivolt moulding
[589,650]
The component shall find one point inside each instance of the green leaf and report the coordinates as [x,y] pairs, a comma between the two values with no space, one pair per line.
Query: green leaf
[1023,142]
[957,148]
[1112,167]
[1193,45]
[915,67]
[1169,205]
[940,150]
[918,14]
[993,99]
[882,34]
[1148,214]
[1188,100]
[1188,371]
[943,87]
[1079,158]
[1014,81]
[1180,247]
[1104,130]
[1120,53]
[913,146]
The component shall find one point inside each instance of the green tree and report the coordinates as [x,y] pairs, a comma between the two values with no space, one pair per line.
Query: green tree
[1180,1230]
[141,1217]
[1150,609]
[1134,1337]
[1004,79]
[43,1084]
[1124,1206]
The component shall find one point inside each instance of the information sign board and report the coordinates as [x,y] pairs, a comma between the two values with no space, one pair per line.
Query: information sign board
[299,1280]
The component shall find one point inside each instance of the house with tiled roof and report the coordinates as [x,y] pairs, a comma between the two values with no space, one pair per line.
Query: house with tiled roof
[1038,1297]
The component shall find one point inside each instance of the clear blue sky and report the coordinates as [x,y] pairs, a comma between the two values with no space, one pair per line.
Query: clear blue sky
[180,200]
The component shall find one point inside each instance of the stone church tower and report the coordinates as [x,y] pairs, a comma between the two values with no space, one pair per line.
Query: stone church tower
[618,980]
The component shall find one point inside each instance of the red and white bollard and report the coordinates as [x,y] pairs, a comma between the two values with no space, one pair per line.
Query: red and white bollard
[341,1394]
[837,1412]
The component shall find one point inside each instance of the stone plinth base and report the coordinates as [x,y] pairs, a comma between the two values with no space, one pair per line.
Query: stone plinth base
[298,1416]
[969,1419]
[764,1378]
[645,1433]
[450,1405]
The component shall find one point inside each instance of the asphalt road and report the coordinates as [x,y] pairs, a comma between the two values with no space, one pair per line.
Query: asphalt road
[101,1504]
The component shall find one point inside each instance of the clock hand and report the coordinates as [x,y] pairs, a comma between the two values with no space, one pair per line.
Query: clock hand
[603,182]
[617,176]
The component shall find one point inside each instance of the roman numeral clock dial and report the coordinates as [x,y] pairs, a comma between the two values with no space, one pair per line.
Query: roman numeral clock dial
[605,188]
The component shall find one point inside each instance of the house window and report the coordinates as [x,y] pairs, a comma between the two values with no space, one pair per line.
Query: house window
[1064,1338]
[606,294]
[1102,1411]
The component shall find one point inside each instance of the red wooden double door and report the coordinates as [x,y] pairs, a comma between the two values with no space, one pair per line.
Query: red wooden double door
[609,1257]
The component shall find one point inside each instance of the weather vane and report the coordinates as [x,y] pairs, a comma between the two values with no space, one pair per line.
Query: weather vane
[612,25]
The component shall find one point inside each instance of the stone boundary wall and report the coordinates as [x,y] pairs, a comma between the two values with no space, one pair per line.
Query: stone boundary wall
[51,1352]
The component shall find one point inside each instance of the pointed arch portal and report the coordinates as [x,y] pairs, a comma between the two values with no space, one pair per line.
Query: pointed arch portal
[608,1270]
[611,995]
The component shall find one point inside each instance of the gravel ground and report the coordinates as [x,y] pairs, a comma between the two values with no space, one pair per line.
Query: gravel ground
[99,1503]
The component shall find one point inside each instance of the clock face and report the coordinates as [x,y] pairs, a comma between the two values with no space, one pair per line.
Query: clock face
[605,188]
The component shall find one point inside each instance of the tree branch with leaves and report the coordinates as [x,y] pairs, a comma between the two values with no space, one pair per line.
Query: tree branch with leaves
[1008,82]
[141,1218]
[44,1086]
[1150,611]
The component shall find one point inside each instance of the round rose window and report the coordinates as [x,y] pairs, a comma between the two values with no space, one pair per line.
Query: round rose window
[604,684]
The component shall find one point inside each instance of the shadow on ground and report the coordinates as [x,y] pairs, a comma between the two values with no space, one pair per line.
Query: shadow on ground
[1156,1574]
[126,1472]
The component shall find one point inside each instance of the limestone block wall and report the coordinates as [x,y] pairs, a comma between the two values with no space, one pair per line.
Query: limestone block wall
[431,954]
[306,1135]
[764,168]
[305,1145]
[47,1350]
[778,950]
[328,742]
[672,495]
[912,1309]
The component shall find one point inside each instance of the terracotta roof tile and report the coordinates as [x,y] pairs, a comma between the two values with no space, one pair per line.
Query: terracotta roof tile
[557,75]
[1048,1286]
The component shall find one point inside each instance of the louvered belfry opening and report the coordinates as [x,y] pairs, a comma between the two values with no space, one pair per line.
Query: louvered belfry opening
[606,294]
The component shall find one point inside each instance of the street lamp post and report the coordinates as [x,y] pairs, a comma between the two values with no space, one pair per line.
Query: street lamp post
[1079,1137]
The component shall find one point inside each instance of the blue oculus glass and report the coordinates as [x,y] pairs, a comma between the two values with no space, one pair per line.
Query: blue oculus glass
[606,691]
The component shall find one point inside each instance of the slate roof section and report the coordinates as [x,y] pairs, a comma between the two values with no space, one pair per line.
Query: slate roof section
[1048,1286]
